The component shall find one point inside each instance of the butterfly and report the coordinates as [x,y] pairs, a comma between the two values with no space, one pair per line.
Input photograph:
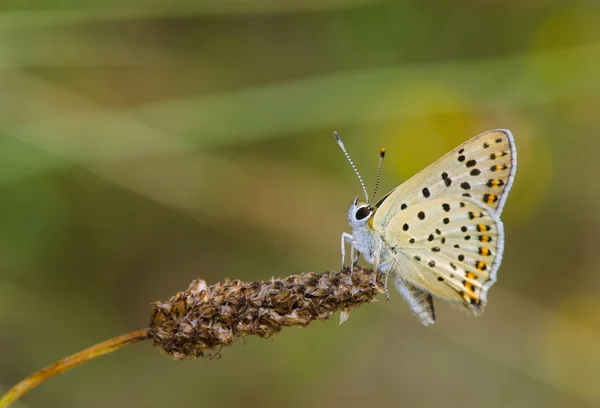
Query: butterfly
[439,234]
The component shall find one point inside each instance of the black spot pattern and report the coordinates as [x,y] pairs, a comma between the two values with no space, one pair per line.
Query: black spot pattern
[471,163]
[490,183]
[418,258]
[405,227]
[432,264]
[440,279]
[446,207]
[430,238]
[437,231]
[403,206]
[452,266]
[446,220]
[485,145]
[421,215]
[456,246]
[461,151]
[466,195]
[462,205]
[426,192]
[499,140]
[465,186]
[412,240]
[447,180]
[435,249]
[443,240]
[467,237]
[461,257]
[493,156]
[475,172]
[486,198]
[463,228]
[461,158]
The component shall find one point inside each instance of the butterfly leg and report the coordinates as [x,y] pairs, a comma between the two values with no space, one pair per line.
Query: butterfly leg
[419,301]
[375,268]
[347,238]
[387,294]
[353,255]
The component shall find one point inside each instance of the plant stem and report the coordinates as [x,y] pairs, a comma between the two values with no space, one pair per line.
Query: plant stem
[69,362]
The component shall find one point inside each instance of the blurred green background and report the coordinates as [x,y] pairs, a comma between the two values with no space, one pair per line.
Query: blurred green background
[146,143]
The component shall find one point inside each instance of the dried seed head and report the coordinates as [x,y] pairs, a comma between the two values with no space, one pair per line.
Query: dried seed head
[201,320]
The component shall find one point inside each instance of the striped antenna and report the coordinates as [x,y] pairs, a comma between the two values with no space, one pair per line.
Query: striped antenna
[339,142]
[381,156]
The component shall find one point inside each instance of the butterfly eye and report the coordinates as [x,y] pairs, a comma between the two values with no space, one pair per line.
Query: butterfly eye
[362,212]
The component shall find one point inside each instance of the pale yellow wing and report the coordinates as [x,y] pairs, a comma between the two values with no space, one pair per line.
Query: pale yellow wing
[449,248]
[444,224]
[482,169]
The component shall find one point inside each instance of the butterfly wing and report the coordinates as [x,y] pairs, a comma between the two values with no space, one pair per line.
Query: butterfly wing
[449,248]
[443,224]
[482,169]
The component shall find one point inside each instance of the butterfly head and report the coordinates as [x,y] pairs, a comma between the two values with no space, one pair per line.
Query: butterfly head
[359,213]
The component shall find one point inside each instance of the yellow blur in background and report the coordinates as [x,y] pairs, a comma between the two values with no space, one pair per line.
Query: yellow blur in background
[144,144]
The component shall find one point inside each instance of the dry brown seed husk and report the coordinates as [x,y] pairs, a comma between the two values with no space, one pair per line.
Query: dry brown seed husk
[201,320]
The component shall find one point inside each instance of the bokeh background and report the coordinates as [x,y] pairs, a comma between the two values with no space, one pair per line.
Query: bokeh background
[146,143]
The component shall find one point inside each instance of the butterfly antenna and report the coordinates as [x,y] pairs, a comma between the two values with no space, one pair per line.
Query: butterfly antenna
[381,156]
[339,142]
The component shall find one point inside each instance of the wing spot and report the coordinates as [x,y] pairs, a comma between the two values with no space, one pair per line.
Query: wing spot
[456,246]
[465,186]
[461,158]
[493,156]
[463,228]
[453,266]
[440,279]
[435,249]
[485,238]
[443,240]
[437,231]
[481,265]
[490,198]
[430,238]
[403,206]
[426,192]
[461,257]
[446,207]
[461,151]
[471,215]
[446,220]
[471,163]
[466,195]
[405,227]
[467,237]
[499,140]
[484,251]
[447,180]
[421,215]
[462,205]
[495,183]
[483,227]
[475,172]
[417,258]
[412,240]
[485,145]
[432,264]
